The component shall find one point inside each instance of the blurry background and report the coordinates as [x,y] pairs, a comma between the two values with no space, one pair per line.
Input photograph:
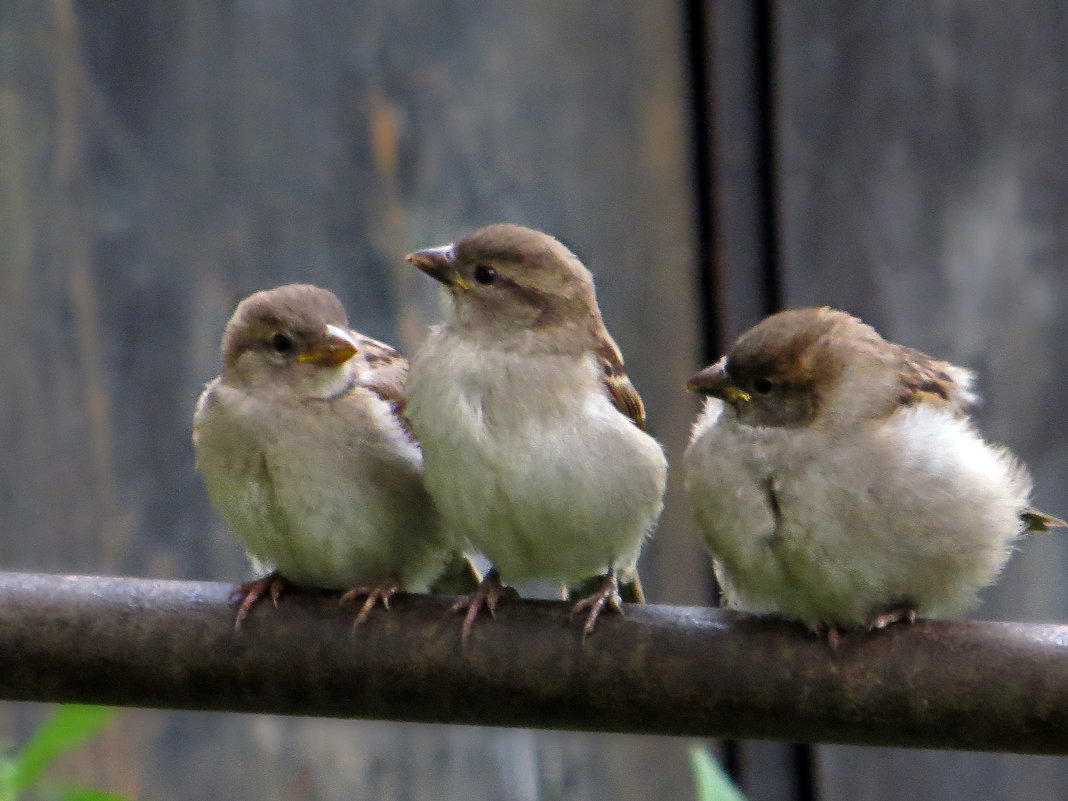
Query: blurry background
[709,160]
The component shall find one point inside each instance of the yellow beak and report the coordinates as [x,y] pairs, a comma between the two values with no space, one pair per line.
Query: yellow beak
[336,346]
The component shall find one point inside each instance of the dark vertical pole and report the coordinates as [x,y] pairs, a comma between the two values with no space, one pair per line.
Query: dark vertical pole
[732,46]
[766,66]
[709,267]
[700,54]
[764,69]
[732,53]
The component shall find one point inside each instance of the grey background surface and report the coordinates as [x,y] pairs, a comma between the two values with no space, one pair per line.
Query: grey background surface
[160,160]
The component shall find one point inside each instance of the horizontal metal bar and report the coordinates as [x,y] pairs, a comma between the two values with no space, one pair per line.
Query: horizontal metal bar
[659,670]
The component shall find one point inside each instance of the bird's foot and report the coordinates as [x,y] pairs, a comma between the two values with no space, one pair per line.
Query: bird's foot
[608,595]
[273,584]
[376,592]
[906,613]
[489,593]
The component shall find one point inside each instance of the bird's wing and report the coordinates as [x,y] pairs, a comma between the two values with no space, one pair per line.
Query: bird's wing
[384,371]
[927,380]
[380,368]
[614,379]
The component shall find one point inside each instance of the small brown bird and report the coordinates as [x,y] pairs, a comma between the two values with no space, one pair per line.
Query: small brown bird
[536,452]
[306,452]
[840,482]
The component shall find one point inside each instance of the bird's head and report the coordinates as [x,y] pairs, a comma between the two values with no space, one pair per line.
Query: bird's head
[295,335]
[505,279]
[784,371]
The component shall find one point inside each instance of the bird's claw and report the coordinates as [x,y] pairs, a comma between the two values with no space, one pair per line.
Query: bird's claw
[376,592]
[608,595]
[489,593]
[272,585]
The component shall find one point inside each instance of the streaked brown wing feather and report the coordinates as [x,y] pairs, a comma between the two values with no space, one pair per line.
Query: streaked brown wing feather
[927,380]
[614,378]
[381,369]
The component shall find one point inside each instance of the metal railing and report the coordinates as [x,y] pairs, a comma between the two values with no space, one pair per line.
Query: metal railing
[659,670]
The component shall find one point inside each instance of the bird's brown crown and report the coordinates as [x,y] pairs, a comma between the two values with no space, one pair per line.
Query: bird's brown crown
[783,346]
[508,282]
[529,262]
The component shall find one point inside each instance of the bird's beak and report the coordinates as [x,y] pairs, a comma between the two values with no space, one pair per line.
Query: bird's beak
[440,263]
[715,381]
[336,346]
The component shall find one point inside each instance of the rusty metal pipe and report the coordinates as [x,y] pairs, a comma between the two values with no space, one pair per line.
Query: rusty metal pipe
[660,670]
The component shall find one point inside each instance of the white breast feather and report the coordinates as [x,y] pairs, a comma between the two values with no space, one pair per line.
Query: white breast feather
[530,463]
[917,509]
[329,507]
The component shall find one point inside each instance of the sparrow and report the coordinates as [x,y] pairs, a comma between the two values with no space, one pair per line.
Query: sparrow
[534,438]
[305,451]
[840,482]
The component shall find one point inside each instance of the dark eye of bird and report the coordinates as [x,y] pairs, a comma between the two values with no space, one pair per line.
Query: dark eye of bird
[282,343]
[761,385]
[485,274]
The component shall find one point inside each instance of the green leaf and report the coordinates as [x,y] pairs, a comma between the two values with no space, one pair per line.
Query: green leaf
[88,794]
[712,783]
[69,726]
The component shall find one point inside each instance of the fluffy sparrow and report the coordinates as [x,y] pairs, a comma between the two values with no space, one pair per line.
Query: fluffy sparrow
[307,455]
[535,443]
[840,482]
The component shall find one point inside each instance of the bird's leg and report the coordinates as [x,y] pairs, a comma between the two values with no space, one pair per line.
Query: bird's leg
[489,593]
[459,576]
[834,636]
[906,613]
[630,591]
[376,592]
[251,591]
[607,594]
[825,630]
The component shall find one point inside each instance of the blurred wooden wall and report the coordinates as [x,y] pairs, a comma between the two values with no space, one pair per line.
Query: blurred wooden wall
[709,159]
